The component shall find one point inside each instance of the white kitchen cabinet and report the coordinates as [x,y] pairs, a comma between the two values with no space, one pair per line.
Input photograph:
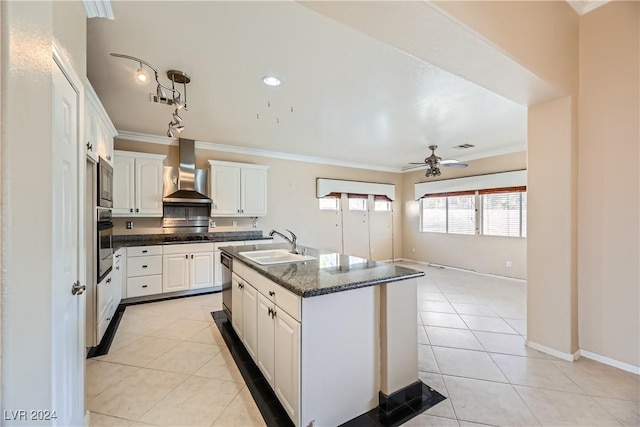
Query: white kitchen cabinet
[265,358]
[187,266]
[238,189]
[144,270]
[175,272]
[118,276]
[275,347]
[249,319]
[287,362]
[137,184]
[104,305]
[237,285]
[99,129]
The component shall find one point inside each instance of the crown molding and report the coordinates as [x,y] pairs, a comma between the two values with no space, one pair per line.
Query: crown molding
[98,9]
[585,6]
[155,139]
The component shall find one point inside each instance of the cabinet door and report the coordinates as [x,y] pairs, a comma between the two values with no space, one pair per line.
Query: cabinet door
[253,192]
[225,190]
[201,270]
[249,319]
[118,276]
[123,187]
[148,187]
[91,132]
[287,362]
[266,336]
[175,272]
[105,142]
[217,269]
[236,305]
[104,304]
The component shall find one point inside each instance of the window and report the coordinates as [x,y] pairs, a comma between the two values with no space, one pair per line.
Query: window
[382,205]
[329,204]
[357,204]
[504,214]
[449,214]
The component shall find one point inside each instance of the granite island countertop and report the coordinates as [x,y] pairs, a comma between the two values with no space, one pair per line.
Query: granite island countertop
[330,272]
[128,240]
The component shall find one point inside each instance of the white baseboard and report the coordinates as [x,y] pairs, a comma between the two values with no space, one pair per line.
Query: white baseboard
[611,362]
[87,418]
[553,352]
[466,270]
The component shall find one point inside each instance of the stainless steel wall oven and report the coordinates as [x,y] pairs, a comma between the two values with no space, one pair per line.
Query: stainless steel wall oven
[105,184]
[105,243]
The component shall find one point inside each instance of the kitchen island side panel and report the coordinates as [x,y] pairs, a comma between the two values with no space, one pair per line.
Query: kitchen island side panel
[340,356]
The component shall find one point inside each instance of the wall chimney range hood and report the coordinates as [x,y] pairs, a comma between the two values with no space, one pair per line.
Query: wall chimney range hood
[185,185]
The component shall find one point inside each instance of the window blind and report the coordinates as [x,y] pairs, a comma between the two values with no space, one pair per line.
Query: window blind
[503,214]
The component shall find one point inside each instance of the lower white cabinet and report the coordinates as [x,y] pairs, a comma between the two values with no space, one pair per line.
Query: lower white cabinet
[119,265]
[104,305]
[188,266]
[270,335]
[144,270]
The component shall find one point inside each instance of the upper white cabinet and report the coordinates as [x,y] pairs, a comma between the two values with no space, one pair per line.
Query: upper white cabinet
[137,184]
[238,189]
[98,128]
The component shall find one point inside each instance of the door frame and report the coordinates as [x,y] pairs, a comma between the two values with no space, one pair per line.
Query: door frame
[63,62]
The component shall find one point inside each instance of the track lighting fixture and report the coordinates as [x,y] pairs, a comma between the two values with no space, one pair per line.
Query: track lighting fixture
[177,99]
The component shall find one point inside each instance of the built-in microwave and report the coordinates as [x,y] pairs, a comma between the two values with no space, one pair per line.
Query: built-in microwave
[105,184]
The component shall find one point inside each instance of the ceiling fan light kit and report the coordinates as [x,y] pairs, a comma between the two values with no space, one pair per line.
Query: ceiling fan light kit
[177,99]
[434,162]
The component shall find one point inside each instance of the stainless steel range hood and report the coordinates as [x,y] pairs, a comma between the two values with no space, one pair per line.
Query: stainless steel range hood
[185,185]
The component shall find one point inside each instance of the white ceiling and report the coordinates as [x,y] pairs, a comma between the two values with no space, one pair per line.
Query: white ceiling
[354,98]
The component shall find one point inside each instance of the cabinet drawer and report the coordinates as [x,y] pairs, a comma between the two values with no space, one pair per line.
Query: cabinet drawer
[144,266]
[187,248]
[134,251]
[145,285]
[103,323]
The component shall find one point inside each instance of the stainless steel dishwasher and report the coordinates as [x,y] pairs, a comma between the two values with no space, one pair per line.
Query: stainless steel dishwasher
[226,262]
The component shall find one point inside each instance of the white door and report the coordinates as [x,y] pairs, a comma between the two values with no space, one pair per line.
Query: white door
[287,362]
[201,270]
[225,190]
[355,227]
[149,186]
[381,235]
[123,188]
[175,272]
[67,316]
[266,337]
[253,191]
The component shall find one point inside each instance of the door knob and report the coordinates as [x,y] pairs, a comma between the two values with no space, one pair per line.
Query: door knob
[78,289]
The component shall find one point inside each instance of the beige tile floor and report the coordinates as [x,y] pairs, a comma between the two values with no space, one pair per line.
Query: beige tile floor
[471,331]
[168,365]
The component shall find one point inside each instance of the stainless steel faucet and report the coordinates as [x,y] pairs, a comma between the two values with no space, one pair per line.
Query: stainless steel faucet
[293,241]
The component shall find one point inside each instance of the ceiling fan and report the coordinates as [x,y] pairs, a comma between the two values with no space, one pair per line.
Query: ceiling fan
[434,162]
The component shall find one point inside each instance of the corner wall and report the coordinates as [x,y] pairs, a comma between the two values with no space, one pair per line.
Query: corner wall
[609,182]
[484,254]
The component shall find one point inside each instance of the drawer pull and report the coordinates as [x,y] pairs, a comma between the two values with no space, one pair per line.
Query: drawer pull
[144,266]
[109,280]
[145,251]
[118,268]
[240,286]
[269,311]
[272,294]
[273,313]
[144,286]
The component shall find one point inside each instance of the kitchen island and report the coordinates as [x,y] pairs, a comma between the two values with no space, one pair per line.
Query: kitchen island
[334,335]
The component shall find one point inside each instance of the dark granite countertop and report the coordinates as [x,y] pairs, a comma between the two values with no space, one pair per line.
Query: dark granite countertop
[330,272]
[127,240]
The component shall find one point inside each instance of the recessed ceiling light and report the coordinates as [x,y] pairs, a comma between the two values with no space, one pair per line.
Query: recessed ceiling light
[271,81]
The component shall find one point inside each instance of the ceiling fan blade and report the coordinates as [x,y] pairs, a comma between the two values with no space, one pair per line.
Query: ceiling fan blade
[454,165]
[449,161]
[413,166]
[417,163]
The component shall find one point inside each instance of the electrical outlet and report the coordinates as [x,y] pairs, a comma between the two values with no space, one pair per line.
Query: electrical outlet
[508,264]
[234,223]
[413,250]
[129,225]
[212,224]
[254,223]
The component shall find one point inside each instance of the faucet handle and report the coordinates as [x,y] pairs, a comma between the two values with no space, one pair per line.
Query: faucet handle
[293,236]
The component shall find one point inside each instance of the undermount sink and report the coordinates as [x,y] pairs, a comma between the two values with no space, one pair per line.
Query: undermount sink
[275,256]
